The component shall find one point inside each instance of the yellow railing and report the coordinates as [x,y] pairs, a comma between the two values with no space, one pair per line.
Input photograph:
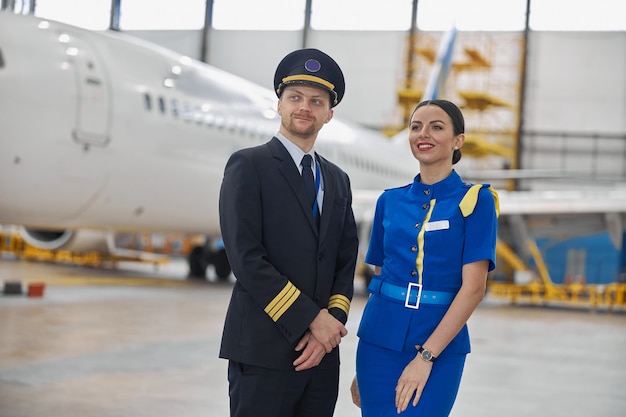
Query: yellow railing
[541,290]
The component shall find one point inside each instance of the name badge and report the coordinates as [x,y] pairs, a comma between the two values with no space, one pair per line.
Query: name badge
[438,225]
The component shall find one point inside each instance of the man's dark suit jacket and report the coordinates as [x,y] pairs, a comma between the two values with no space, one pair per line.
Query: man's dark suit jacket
[286,270]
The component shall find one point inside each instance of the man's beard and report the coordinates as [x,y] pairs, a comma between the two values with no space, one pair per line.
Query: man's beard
[301,132]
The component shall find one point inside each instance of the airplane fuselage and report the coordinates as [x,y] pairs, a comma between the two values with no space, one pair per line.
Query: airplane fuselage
[106,131]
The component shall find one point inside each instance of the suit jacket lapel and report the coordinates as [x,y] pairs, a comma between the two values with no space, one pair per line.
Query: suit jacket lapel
[329,196]
[292,176]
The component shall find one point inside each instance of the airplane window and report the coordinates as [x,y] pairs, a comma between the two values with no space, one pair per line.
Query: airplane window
[209,119]
[174,108]
[162,105]
[186,112]
[254,130]
[241,126]
[1,60]
[219,121]
[197,115]
[147,99]
[230,124]
[251,128]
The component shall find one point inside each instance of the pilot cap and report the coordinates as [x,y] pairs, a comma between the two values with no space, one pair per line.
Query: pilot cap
[313,67]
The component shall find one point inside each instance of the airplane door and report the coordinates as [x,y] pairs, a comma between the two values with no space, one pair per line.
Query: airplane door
[93,116]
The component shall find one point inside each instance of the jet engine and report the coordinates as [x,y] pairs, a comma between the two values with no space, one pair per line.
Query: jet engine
[84,240]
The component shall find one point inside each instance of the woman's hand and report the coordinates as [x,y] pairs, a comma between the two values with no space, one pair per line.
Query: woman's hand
[354,390]
[412,381]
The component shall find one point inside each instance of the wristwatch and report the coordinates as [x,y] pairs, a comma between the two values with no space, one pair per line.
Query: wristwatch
[426,354]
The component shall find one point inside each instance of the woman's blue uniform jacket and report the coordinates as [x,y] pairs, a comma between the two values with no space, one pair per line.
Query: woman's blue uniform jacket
[425,234]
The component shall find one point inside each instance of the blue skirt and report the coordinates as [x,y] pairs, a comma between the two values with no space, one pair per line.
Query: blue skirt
[378,370]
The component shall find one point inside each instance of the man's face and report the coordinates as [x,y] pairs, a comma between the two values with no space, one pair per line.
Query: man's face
[304,110]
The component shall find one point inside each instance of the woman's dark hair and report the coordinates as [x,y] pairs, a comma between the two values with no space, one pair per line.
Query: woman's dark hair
[458,122]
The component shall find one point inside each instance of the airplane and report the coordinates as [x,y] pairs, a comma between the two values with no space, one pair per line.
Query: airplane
[105,134]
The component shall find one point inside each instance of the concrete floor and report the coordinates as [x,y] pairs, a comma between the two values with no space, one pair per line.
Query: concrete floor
[121,343]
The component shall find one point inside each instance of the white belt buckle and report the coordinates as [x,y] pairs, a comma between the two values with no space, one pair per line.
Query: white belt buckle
[407,304]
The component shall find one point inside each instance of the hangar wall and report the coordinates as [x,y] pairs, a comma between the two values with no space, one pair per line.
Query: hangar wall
[575,104]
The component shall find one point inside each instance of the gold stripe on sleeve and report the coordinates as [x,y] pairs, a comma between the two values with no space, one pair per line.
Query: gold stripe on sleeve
[339,301]
[281,303]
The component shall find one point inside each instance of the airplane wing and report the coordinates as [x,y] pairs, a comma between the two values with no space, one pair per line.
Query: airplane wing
[563,201]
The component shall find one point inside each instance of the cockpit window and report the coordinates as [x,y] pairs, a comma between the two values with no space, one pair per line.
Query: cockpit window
[147,101]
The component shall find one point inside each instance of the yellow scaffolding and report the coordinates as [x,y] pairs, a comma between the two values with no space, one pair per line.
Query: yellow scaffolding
[484,79]
[542,291]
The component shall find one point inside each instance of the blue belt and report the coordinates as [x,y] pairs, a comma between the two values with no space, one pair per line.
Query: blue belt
[412,295]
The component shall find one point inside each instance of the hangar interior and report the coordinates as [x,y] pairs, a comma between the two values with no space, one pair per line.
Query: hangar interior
[144,340]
